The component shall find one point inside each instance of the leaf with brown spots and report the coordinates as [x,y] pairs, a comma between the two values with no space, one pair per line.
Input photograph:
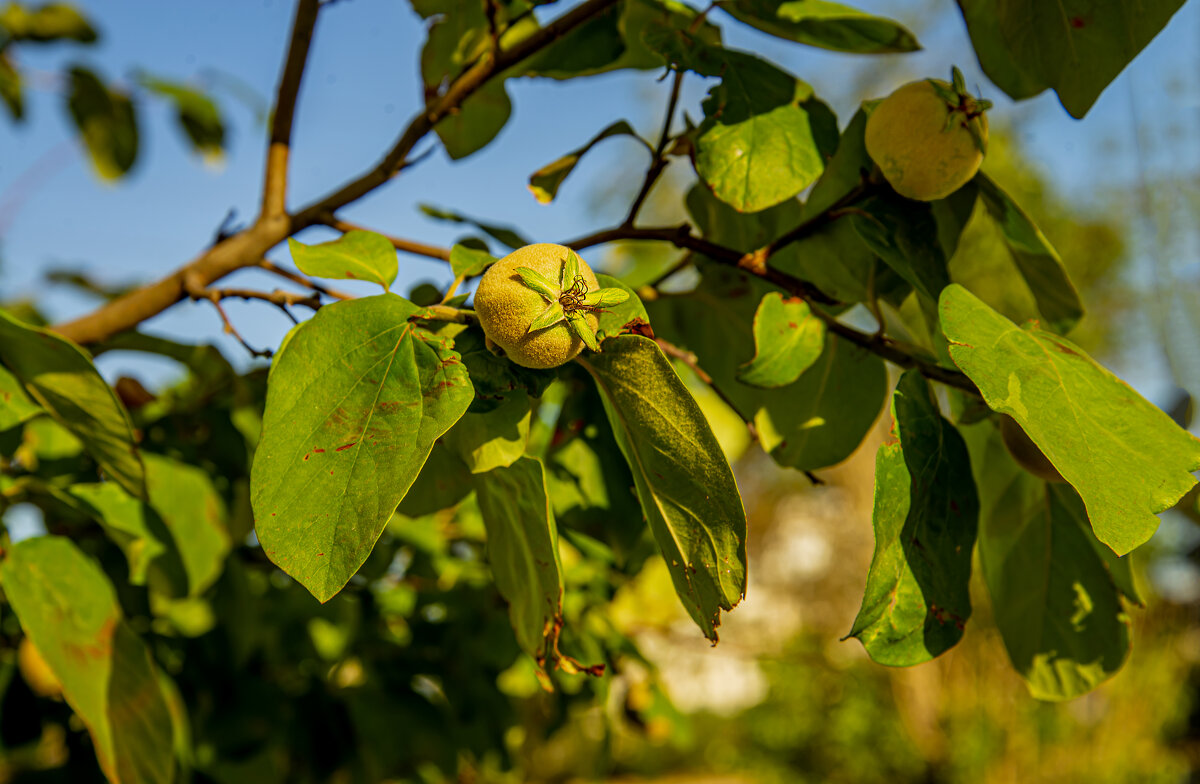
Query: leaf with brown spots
[355,401]
[69,611]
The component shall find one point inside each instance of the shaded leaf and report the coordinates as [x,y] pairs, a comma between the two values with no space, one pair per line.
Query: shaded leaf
[1127,458]
[614,319]
[1039,264]
[61,377]
[106,122]
[522,546]
[1075,47]
[479,120]
[195,112]
[10,88]
[1066,632]
[788,339]
[757,145]
[493,377]
[824,24]
[46,23]
[69,610]
[545,182]
[356,399]
[501,234]
[356,255]
[495,439]
[684,484]
[917,600]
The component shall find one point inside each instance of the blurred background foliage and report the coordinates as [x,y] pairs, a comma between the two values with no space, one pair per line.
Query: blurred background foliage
[415,667]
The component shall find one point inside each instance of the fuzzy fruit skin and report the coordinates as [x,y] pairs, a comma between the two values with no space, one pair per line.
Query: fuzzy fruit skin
[907,137]
[1025,452]
[506,306]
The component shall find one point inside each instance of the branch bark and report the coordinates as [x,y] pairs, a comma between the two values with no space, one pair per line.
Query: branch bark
[274,201]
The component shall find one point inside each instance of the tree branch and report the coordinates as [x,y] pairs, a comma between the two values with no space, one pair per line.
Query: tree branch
[299,279]
[274,201]
[659,161]
[408,246]
[248,247]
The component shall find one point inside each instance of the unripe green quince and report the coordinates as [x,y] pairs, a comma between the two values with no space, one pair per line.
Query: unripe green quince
[928,137]
[508,306]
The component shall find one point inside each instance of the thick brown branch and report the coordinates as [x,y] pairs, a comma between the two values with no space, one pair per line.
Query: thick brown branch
[408,246]
[274,202]
[248,247]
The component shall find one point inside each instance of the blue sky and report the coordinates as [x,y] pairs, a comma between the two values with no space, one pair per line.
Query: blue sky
[362,85]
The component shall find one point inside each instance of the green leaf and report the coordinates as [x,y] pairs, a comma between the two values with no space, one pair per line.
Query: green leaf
[1066,632]
[824,24]
[580,326]
[355,401]
[615,319]
[106,122]
[195,112]
[545,182]
[46,23]
[570,271]
[522,546]
[467,262]
[1075,47]
[493,377]
[757,145]
[69,611]
[15,405]
[356,255]
[504,235]
[788,339]
[553,314]
[905,235]
[917,600]
[536,281]
[479,120]
[682,479]
[495,439]
[606,298]
[816,422]
[10,88]
[1039,264]
[1127,458]
[139,531]
[61,377]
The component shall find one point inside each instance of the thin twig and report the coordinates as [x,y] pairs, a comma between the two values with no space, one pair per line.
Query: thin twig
[659,161]
[297,278]
[274,201]
[277,297]
[408,246]
[213,296]
[679,266]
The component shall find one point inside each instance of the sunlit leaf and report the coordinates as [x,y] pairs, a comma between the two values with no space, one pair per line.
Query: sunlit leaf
[61,377]
[69,609]
[916,603]
[788,339]
[1127,458]
[545,182]
[824,24]
[682,479]
[495,439]
[15,405]
[195,112]
[467,262]
[46,23]
[356,255]
[356,399]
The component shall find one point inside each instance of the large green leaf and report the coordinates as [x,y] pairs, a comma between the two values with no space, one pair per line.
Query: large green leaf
[545,182]
[522,546]
[15,405]
[355,401]
[356,255]
[1127,458]
[61,377]
[824,24]
[1066,631]
[788,339]
[1038,262]
[1075,47]
[106,122]
[757,146]
[685,486]
[917,601]
[813,423]
[69,611]
[479,120]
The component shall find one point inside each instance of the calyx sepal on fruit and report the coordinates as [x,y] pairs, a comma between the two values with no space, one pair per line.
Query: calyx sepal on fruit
[964,107]
[570,300]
